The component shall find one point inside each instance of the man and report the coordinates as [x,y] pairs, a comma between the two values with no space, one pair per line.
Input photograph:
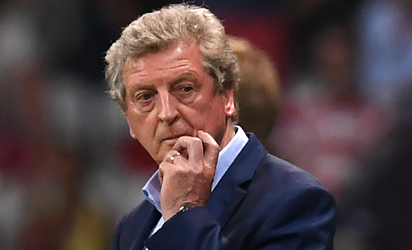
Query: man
[173,73]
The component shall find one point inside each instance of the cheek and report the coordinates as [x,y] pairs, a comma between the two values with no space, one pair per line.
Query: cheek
[143,128]
[206,115]
[213,119]
[145,135]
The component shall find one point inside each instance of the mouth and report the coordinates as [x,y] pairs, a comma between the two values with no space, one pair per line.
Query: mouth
[171,139]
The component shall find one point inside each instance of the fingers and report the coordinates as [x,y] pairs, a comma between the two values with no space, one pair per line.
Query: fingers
[171,156]
[211,149]
[168,163]
[192,145]
[204,147]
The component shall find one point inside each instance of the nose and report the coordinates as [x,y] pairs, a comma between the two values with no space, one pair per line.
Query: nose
[168,112]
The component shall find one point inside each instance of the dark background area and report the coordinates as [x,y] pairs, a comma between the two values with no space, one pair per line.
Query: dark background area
[69,170]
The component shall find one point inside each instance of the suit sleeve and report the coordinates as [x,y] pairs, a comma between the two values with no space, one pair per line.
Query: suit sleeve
[301,220]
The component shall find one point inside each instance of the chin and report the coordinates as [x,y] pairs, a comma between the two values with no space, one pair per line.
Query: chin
[161,153]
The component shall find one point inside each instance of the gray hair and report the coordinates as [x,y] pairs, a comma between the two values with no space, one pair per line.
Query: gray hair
[156,31]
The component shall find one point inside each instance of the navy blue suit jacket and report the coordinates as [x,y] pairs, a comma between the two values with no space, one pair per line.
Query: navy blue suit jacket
[262,202]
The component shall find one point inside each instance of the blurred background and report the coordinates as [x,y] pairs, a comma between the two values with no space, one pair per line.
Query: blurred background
[69,170]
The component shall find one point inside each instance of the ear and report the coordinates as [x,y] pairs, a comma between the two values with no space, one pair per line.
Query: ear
[132,134]
[229,103]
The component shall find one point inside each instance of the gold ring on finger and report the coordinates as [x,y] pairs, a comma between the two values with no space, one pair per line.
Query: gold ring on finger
[173,157]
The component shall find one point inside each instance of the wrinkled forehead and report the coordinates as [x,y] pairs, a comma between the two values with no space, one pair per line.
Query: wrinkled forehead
[168,57]
[158,46]
[177,62]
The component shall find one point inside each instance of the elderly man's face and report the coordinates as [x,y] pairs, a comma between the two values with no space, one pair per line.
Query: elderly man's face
[168,94]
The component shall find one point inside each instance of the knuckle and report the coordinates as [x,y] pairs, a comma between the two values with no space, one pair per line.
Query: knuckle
[162,166]
[185,138]
[196,141]
[214,145]
[191,140]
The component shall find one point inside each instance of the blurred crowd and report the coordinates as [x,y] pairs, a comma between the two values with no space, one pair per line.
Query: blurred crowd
[69,170]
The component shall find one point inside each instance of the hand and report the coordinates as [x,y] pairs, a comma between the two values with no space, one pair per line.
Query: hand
[188,178]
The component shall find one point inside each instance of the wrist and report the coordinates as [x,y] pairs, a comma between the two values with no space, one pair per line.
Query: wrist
[168,214]
[184,208]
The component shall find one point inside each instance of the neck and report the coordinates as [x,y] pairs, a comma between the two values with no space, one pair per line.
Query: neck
[228,135]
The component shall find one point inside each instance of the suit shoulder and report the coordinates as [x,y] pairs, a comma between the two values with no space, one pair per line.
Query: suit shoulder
[285,188]
[285,175]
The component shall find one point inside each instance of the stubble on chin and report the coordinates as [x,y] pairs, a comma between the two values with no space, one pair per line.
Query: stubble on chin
[162,150]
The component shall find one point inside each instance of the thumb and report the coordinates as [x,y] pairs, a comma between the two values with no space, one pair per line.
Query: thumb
[211,149]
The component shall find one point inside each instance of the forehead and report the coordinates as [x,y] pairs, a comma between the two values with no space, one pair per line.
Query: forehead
[175,57]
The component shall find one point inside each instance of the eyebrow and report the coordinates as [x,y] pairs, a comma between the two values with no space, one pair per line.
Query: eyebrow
[136,88]
[190,74]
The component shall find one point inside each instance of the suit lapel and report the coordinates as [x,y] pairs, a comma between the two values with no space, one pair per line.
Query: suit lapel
[233,185]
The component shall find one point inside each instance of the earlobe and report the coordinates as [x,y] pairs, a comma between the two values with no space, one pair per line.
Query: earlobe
[229,103]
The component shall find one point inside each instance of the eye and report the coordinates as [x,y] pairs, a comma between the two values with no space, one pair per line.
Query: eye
[187,89]
[145,97]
